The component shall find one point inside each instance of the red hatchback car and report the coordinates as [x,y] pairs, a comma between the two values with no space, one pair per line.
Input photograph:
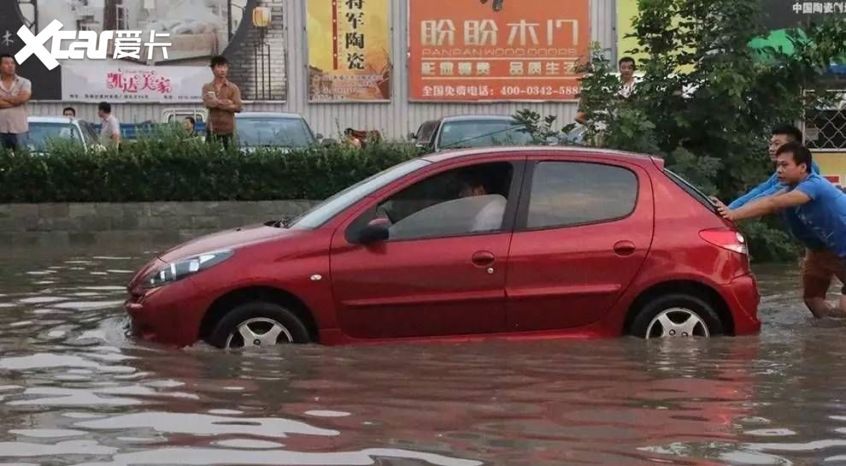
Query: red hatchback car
[515,242]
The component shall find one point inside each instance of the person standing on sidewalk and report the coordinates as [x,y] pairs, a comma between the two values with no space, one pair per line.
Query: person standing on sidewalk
[15,92]
[626,67]
[223,99]
[110,126]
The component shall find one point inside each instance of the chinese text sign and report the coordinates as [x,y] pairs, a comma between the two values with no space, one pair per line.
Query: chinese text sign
[466,51]
[349,43]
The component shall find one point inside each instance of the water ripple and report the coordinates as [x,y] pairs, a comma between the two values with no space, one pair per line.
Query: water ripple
[75,390]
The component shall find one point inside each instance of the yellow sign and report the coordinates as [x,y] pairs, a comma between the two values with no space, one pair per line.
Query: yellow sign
[832,165]
[626,11]
[349,44]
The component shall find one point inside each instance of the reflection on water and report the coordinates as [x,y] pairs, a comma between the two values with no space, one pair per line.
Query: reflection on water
[75,390]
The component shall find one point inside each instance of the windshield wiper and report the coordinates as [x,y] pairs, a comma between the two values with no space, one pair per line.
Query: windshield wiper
[285,222]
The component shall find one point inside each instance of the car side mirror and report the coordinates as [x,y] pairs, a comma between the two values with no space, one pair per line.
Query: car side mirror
[375,232]
[320,136]
[412,137]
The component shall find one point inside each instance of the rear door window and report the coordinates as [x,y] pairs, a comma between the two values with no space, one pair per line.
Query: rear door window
[567,194]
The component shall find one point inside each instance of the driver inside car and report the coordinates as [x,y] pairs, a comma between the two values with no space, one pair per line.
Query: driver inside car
[458,202]
[489,218]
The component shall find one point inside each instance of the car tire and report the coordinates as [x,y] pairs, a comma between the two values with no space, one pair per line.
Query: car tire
[265,323]
[676,315]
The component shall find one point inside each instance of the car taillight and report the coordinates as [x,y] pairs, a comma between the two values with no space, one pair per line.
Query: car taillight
[726,239]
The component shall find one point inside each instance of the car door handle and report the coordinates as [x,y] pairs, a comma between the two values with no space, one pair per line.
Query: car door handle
[625,248]
[483,259]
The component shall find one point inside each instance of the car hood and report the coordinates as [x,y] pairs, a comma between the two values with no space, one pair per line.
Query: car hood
[248,150]
[228,239]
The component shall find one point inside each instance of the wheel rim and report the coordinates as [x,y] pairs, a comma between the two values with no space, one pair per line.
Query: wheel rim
[677,322]
[258,332]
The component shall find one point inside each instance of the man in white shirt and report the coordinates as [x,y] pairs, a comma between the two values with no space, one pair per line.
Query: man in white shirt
[110,126]
[490,216]
[627,68]
[15,92]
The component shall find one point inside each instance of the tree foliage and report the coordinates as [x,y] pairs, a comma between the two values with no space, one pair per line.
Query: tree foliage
[707,101]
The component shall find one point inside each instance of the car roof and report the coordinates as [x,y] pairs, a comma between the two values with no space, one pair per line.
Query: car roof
[269,115]
[50,119]
[478,118]
[531,150]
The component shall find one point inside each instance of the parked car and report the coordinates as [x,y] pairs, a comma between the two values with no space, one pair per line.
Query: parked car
[461,132]
[285,130]
[130,132]
[43,130]
[177,114]
[521,242]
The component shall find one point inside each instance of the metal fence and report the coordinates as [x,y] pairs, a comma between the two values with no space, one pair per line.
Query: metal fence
[825,128]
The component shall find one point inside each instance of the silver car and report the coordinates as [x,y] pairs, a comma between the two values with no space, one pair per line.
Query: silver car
[273,130]
[461,132]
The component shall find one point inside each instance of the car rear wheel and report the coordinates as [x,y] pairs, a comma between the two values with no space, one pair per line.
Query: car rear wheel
[257,324]
[675,316]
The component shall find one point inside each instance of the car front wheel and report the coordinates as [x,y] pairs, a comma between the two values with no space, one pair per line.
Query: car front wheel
[674,316]
[257,324]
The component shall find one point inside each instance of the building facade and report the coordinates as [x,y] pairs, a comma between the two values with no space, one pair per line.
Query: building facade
[395,118]
[277,75]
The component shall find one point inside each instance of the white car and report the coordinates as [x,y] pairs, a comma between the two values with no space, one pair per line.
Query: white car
[43,130]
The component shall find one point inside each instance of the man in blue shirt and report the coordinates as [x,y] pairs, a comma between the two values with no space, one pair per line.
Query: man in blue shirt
[819,265]
[781,135]
[818,205]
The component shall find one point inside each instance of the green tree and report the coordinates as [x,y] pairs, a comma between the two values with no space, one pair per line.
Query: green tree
[541,128]
[707,100]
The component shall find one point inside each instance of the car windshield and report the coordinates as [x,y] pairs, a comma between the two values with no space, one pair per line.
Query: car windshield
[274,132]
[41,133]
[483,133]
[337,203]
[89,133]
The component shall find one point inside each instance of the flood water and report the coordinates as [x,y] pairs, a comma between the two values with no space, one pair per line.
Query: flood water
[75,390]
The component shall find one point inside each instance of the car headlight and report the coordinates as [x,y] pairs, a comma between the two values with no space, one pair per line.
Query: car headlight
[182,268]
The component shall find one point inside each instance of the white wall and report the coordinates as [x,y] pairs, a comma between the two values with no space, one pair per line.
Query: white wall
[396,119]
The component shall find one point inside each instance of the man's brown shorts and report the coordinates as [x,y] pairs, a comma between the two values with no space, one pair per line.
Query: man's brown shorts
[818,268]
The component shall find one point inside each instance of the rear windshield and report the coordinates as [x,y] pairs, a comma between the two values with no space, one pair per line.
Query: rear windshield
[274,132]
[692,190]
[483,133]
